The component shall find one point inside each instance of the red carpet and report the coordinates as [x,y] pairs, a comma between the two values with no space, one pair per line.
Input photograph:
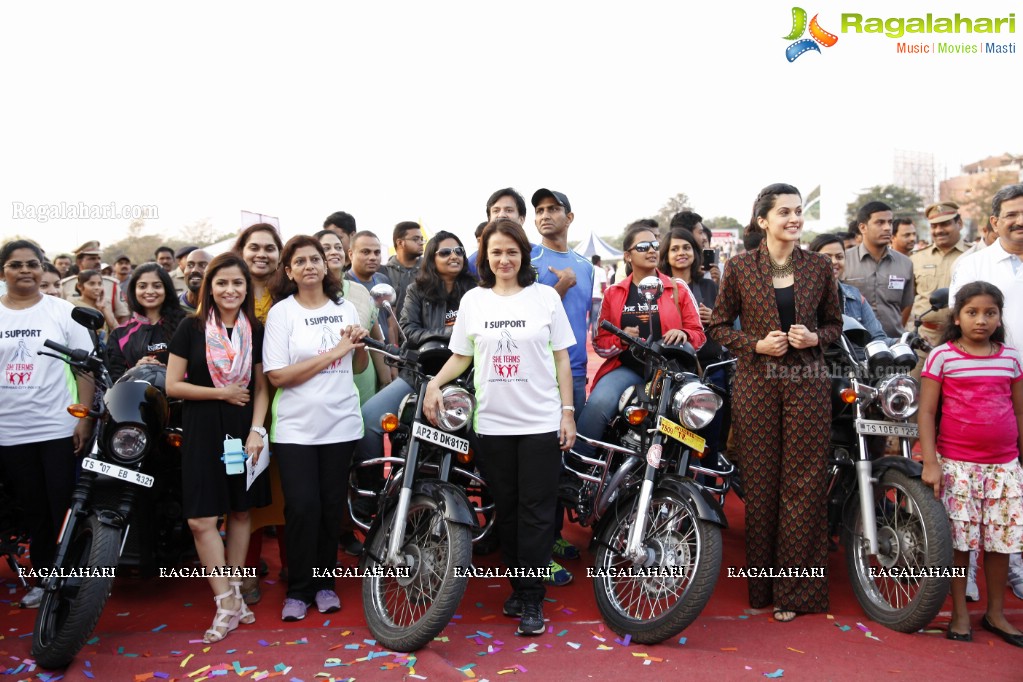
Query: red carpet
[150,627]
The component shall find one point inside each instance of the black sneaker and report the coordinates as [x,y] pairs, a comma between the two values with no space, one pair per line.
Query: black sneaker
[350,544]
[513,606]
[531,622]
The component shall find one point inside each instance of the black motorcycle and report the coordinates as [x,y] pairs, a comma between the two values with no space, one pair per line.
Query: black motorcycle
[657,531]
[125,509]
[419,541]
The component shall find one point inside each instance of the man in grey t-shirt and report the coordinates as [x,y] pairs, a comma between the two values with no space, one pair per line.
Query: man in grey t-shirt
[884,276]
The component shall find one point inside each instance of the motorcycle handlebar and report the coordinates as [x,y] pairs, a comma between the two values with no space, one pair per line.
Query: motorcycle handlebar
[390,350]
[609,327]
[76,354]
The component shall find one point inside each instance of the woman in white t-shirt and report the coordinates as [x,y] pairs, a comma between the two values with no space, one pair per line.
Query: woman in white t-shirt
[38,438]
[311,351]
[516,334]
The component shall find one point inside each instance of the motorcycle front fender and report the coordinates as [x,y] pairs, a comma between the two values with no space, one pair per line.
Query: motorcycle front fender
[706,505]
[451,499]
[910,467]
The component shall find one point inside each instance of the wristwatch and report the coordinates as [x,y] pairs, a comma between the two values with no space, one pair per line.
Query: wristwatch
[260,430]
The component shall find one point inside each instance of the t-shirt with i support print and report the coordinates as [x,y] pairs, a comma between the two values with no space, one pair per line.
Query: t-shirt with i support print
[512,340]
[324,409]
[638,313]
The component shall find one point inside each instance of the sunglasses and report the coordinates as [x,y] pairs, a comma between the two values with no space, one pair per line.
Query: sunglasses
[18,265]
[643,247]
[448,250]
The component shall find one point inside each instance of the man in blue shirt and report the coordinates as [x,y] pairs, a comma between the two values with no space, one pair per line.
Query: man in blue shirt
[571,275]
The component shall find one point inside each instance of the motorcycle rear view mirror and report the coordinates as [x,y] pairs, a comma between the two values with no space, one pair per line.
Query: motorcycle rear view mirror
[383,295]
[89,318]
[939,299]
[650,288]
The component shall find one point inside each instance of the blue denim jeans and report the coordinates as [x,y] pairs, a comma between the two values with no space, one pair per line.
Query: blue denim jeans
[600,408]
[388,399]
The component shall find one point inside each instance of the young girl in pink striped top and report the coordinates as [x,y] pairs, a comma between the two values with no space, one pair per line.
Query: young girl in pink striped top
[973,461]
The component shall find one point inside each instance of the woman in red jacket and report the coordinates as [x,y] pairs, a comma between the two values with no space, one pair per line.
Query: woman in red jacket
[672,319]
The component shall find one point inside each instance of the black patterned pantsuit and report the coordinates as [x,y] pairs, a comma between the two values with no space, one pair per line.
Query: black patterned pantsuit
[784,475]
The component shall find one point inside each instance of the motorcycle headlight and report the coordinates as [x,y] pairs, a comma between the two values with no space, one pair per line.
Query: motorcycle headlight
[458,406]
[696,405]
[898,396]
[128,443]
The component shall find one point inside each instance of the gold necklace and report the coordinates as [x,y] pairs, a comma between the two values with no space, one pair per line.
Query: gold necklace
[783,270]
[990,348]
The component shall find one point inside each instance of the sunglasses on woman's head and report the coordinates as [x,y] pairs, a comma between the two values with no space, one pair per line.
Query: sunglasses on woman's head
[448,250]
[643,247]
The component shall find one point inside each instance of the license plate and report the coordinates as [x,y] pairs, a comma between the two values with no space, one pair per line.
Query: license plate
[118,472]
[681,434]
[441,438]
[878,428]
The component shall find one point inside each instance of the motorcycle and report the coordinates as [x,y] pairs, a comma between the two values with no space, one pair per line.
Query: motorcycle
[125,509]
[897,539]
[418,546]
[657,531]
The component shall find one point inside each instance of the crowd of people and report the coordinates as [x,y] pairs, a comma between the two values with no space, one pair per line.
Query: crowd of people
[264,344]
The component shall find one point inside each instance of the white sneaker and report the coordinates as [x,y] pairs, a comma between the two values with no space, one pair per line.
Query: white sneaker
[1016,574]
[972,593]
[32,598]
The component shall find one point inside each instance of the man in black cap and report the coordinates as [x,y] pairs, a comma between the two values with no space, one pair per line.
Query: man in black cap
[571,275]
[195,267]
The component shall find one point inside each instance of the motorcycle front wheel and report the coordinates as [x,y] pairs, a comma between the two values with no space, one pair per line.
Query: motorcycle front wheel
[68,614]
[905,585]
[406,613]
[659,599]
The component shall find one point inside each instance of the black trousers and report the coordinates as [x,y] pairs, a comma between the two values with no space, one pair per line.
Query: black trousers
[522,474]
[314,479]
[41,477]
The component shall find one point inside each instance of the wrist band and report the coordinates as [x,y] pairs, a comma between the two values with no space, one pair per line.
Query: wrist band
[570,408]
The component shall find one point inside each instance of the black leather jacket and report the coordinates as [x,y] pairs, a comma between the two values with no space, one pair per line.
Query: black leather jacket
[423,319]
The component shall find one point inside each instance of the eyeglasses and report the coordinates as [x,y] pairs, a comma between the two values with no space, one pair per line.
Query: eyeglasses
[418,240]
[643,247]
[448,250]
[18,265]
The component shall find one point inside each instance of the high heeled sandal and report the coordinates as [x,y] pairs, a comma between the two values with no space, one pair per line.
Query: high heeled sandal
[225,618]
[245,614]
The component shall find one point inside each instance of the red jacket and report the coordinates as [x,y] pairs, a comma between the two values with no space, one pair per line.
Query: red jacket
[609,346]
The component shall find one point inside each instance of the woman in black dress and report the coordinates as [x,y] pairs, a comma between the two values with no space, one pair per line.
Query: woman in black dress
[220,352]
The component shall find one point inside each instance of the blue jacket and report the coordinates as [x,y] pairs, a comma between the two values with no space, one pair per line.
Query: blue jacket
[854,305]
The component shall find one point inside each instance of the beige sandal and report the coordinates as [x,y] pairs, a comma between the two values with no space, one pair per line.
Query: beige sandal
[245,614]
[224,622]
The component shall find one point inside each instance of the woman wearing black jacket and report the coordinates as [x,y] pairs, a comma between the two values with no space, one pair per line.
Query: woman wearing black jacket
[431,306]
[145,336]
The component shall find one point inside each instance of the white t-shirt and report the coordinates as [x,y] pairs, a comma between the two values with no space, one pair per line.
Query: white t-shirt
[512,340]
[324,409]
[599,281]
[35,390]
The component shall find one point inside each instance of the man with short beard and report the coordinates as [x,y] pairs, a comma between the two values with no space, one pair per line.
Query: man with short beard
[178,275]
[403,266]
[904,236]
[195,267]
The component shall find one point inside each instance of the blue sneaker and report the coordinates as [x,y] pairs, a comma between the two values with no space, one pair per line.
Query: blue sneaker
[563,549]
[559,575]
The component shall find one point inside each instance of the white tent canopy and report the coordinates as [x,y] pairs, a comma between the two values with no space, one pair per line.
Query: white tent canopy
[593,244]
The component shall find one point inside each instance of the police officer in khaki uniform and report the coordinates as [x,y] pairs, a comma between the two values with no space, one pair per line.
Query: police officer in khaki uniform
[87,257]
[178,274]
[933,264]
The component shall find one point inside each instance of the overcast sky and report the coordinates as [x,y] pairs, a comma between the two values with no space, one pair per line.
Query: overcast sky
[418,110]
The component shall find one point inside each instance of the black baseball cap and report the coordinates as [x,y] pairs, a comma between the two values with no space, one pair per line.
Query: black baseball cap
[558,197]
[184,251]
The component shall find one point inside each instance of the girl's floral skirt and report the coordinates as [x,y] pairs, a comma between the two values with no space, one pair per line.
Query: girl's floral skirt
[984,504]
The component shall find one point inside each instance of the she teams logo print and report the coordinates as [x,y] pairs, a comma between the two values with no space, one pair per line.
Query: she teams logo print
[818,35]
